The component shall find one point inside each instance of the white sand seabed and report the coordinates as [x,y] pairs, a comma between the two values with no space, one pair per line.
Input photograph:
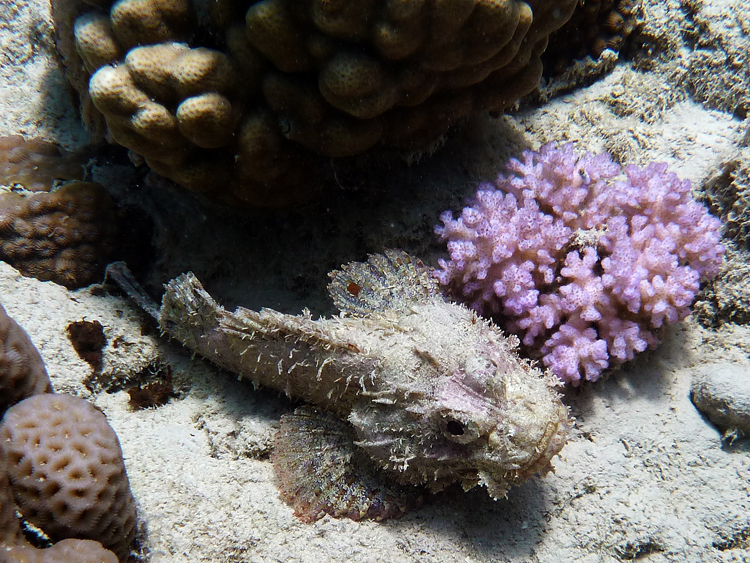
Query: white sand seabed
[644,477]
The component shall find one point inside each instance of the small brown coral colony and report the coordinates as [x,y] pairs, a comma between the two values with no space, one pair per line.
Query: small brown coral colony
[36,164]
[66,471]
[65,234]
[232,97]
[60,463]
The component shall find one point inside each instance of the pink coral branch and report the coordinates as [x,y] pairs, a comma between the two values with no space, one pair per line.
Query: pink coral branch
[585,263]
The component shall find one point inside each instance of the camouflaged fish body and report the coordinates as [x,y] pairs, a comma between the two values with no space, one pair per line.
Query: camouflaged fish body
[432,393]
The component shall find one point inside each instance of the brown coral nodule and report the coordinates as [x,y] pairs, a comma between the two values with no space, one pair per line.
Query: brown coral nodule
[88,340]
[66,236]
[36,164]
[67,473]
[241,102]
[154,393]
[22,371]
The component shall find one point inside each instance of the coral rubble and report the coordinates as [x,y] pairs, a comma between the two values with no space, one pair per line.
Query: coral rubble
[233,97]
[584,264]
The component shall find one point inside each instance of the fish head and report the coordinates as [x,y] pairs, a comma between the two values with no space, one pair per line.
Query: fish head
[493,420]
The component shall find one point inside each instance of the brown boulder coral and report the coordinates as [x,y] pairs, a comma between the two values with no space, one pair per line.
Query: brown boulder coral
[66,471]
[234,97]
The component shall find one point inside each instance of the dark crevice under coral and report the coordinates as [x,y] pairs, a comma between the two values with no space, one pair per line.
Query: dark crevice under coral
[595,25]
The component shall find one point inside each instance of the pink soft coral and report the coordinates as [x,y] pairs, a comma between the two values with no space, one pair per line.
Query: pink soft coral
[582,264]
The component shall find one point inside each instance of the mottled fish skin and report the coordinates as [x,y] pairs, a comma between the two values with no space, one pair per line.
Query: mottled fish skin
[435,394]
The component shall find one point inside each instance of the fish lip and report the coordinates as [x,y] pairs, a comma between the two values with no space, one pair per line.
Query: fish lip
[558,439]
[552,442]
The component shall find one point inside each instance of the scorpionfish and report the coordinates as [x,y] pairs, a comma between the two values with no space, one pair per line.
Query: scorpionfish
[405,390]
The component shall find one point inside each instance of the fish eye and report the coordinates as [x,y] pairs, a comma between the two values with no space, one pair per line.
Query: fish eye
[458,431]
[454,428]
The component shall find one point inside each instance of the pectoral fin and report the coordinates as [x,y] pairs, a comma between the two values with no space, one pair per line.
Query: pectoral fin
[320,471]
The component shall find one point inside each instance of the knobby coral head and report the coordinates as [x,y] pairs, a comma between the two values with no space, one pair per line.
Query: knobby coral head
[582,258]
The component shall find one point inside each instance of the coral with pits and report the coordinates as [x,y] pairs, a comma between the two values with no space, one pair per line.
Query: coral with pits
[584,264]
[36,164]
[67,473]
[234,98]
[22,371]
[58,462]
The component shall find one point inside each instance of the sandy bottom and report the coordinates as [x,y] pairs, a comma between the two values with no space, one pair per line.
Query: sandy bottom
[645,475]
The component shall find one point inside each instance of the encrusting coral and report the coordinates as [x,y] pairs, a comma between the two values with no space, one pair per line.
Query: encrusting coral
[584,264]
[233,98]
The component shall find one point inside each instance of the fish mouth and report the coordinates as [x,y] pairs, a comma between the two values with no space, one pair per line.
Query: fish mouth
[515,461]
[555,437]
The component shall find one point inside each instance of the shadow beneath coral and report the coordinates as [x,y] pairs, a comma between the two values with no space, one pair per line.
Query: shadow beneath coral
[649,376]
[59,107]
[281,258]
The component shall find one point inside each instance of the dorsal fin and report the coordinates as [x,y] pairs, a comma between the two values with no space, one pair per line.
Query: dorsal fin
[393,281]
[270,324]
